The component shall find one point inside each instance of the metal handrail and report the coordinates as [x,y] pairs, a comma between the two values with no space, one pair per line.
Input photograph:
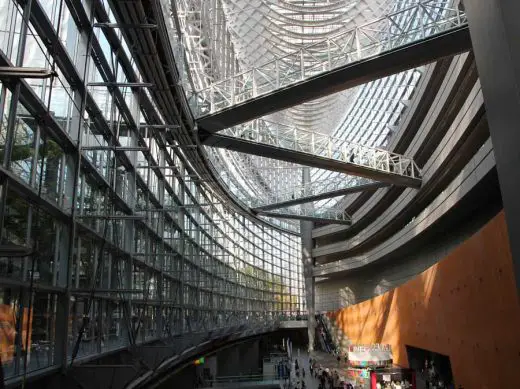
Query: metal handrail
[324,146]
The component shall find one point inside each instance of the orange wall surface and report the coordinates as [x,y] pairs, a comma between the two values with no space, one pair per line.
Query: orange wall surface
[466,306]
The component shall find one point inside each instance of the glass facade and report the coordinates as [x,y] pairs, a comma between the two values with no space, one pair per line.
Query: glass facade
[109,236]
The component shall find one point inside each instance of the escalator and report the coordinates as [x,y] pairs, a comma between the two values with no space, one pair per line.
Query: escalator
[323,335]
[321,341]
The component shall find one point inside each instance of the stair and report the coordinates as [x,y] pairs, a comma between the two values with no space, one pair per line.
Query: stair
[340,340]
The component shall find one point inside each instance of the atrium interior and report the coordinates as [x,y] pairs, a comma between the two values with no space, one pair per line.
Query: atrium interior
[197,193]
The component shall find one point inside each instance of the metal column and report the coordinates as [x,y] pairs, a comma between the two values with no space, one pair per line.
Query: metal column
[306,232]
[494,30]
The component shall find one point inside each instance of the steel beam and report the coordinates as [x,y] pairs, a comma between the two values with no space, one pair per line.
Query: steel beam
[156,167]
[117,217]
[115,148]
[125,26]
[159,126]
[322,196]
[14,250]
[122,84]
[24,72]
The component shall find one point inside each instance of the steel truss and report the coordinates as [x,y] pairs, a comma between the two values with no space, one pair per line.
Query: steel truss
[419,21]
[325,151]
[207,39]
[209,49]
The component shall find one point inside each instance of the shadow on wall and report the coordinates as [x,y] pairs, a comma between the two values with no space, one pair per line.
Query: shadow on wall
[346,296]
[466,307]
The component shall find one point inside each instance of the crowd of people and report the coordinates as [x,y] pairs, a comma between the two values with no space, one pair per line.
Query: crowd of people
[326,378]
[433,378]
[283,369]
[394,385]
[296,380]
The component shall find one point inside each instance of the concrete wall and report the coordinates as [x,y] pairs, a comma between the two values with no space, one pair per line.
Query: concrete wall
[372,281]
[474,182]
[465,306]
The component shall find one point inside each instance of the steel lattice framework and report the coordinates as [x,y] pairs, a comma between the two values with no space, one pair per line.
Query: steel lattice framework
[301,41]
[424,19]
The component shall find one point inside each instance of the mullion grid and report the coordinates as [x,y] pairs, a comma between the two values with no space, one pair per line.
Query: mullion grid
[131,286]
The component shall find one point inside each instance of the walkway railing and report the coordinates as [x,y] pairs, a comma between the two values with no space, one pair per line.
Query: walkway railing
[325,146]
[422,20]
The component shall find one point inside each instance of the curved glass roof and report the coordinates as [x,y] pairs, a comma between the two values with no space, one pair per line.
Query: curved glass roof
[224,37]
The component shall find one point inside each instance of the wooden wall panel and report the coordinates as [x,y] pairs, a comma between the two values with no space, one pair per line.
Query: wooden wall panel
[466,306]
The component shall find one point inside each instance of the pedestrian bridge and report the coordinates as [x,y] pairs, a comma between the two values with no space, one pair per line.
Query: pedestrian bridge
[309,148]
[405,39]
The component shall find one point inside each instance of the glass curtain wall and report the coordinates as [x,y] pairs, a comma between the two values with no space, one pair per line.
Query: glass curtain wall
[107,239]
